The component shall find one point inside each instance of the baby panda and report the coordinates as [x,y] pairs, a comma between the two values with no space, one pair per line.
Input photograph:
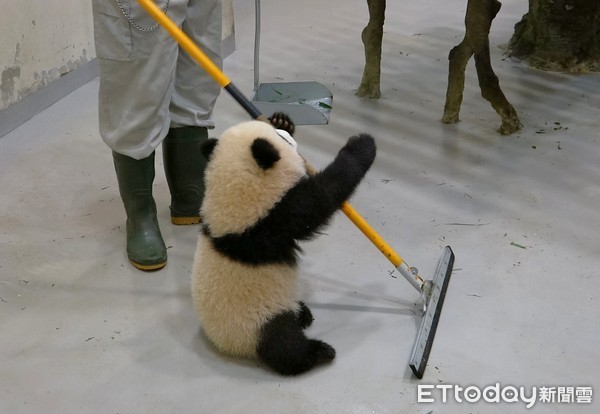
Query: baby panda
[260,202]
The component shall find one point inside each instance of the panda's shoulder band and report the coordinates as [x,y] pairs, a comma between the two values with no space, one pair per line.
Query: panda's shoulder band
[253,247]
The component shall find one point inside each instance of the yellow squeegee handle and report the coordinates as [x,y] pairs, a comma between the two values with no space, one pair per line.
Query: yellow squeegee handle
[204,61]
[371,234]
[410,273]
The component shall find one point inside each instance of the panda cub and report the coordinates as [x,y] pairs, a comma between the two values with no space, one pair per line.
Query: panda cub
[259,203]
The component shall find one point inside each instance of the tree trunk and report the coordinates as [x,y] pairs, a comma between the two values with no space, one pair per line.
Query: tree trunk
[559,35]
[478,20]
[372,37]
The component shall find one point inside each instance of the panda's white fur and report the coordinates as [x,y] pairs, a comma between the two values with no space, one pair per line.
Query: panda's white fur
[259,202]
[234,301]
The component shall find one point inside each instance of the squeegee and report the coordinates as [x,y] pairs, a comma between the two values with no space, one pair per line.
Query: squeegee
[432,291]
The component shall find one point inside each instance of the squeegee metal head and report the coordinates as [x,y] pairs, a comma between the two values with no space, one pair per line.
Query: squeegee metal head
[434,292]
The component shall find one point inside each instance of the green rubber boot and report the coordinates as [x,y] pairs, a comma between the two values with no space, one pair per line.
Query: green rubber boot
[184,169]
[145,246]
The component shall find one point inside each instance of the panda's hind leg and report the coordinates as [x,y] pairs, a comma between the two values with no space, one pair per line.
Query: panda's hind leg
[284,347]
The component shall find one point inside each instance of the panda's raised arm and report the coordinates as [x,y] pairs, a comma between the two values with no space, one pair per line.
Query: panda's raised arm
[313,201]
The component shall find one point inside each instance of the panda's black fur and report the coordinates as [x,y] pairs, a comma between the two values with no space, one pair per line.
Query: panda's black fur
[245,270]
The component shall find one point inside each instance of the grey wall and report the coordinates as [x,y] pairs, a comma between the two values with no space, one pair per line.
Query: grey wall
[47,51]
[41,41]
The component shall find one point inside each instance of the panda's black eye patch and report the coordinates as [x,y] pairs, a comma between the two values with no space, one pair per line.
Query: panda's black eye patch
[265,154]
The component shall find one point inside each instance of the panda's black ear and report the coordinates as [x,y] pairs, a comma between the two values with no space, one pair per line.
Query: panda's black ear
[265,154]
[208,146]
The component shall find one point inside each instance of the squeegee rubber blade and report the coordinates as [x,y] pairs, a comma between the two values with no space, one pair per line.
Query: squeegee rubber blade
[426,334]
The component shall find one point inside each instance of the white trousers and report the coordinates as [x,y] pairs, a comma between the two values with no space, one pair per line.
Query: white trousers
[146,84]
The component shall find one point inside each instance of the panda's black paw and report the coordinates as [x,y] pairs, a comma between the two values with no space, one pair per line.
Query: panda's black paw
[319,352]
[362,148]
[281,121]
[305,318]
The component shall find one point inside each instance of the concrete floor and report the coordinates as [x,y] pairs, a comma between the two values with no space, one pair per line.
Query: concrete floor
[82,331]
